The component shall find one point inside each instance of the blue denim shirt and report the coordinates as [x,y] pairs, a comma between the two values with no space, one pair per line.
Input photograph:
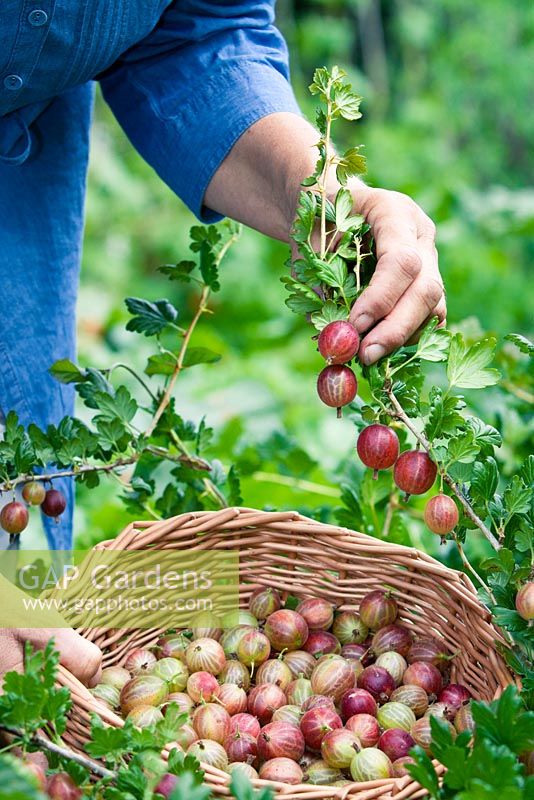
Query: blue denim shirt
[185,79]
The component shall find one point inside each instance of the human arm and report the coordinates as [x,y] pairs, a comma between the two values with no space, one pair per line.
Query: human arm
[258,183]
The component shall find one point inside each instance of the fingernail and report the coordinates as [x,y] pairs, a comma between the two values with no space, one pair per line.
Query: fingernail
[363,322]
[373,353]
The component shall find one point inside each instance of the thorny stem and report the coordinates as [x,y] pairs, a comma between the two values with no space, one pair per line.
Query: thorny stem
[46,744]
[398,412]
[467,564]
[201,309]
[324,173]
[192,461]
[165,400]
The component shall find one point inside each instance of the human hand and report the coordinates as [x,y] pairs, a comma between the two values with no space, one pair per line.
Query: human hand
[406,288]
[79,656]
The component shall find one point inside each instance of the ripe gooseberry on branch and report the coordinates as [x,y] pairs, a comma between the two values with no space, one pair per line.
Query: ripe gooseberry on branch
[414,472]
[338,342]
[441,514]
[337,386]
[524,601]
[54,503]
[378,447]
[33,493]
[14,517]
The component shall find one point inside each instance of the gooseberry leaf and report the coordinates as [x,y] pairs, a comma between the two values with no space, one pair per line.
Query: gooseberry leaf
[65,371]
[434,342]
[467,365]
[521,342]
[330,312]
[350,164]
[150,317]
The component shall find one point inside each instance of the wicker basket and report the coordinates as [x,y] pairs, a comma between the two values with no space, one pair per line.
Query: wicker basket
[302,557]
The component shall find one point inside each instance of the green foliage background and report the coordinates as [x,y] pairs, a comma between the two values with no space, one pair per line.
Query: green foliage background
[445,120]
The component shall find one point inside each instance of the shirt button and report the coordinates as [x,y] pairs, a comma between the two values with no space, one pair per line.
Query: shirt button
[38,18]
[13,82]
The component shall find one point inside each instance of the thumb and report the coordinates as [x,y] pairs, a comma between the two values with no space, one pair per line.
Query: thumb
[82,658]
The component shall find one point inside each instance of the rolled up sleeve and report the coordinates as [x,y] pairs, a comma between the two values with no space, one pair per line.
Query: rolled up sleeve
[186,93]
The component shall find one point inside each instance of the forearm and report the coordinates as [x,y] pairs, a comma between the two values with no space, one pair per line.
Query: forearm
[259,181]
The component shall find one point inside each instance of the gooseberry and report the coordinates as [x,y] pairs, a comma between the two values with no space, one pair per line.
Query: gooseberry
[205,655]
[246,769]
[60,786]
[399,768]
[274,671]
[378,447]
[392,637]
[365,727]
[357,701]
[394,663]
[298,691]
[319,773]
[54,503]
[464,720]
[241,747]
[280,740]
[235,672]
[180,699]
[332,678]
[300,663]
[318,613]
[290,713]
[378,682]
[253,649]
[378,609]
[282,770]
[370,764]
[337,386]
[139,660]
[264,602]
[441,514]
[172,671]
[454,695]
[14,517]
[414,472]
[524,601]
[425,675]
[143,690]
[173,646]
[233,698]
[209,752]
[412,696]
[286,630]
[245,723]
[108,694]
[115,676]
[145,716]
[316,723]
[202,686]
[316,700]
[349,628]
[34,493]
[395,715]
[263,701]
[395,743]
[321,642]
[338,342]
[338,748]
[429,650]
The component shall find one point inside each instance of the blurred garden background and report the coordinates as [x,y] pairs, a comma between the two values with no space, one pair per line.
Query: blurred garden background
[448,119]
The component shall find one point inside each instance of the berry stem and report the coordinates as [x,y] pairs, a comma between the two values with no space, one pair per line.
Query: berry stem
[399,412]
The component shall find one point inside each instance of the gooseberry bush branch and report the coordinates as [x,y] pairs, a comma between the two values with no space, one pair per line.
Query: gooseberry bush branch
[116,441]
[462,447]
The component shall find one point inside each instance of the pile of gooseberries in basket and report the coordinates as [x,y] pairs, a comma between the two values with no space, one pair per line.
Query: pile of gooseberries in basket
[312,695]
